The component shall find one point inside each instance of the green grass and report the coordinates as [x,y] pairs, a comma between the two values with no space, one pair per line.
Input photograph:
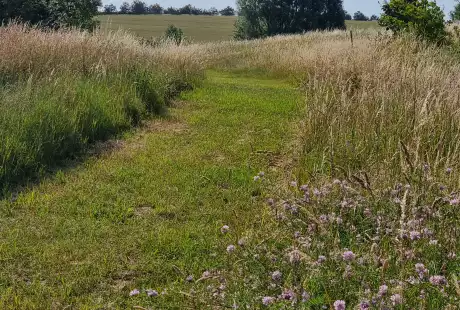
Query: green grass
[148,214]
[198,28]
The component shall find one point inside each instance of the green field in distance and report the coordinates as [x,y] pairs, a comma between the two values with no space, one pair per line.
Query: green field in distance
[197,28]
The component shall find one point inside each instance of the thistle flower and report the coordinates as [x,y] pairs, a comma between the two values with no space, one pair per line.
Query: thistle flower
[225,229]
[415,235]
[295,256]
[339,305]
[383,290]
[438,280]
[267,300]
[152,293]
[321,259]
[189,278]
[348,256]
[134,292]
[396,299]
[305,296]
[287,295]
[277,275]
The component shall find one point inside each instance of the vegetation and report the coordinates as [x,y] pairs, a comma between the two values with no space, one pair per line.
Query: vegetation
[52,110]
[259,18]
[140,7]
[422,17]
[196,28]
[308,171]
[360,16]
[455,14]
[52,14]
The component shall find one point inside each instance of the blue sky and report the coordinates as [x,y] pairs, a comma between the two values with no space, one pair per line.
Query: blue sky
[368,7]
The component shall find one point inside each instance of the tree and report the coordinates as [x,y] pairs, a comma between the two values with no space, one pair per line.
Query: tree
[374,17]
[261,18]
[455,14]
[172,11]
[139,7]
[155,9]
[423,18]
[348,16]
[213,11]
[52,14]
[110,9]
[360,16]
[186,10]
[125,8]
[228,11]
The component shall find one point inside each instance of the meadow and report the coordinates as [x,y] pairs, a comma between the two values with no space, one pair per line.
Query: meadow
[196,28]
[294,172]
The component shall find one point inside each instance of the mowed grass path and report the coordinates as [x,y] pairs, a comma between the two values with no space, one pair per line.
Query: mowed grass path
[198,28]
[148,213]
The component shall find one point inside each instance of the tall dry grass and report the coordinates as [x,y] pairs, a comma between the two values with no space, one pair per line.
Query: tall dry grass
[61,90]
[377,104]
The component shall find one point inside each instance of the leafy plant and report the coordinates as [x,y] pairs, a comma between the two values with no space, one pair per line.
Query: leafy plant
[422,17]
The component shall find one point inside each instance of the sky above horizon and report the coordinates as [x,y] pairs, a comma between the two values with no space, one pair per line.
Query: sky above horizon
[368,7]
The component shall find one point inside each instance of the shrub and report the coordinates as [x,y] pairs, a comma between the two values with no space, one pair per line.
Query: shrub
[174,34]
[422,17]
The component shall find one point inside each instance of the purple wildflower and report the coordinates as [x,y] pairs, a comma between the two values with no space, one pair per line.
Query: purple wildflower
[383,290]
[134,292]
[321,259]
[242,242]
[267,300]
[277,275]
[189,278]
[364,305]
[287,295]
[339,305]
[421,270]
[454,202]
[295,256]
[304,188]
[261,174]
[396,299]
[415,235]
[293,183]
[231,248]
[438,280]
[449,170]
[305,296]
[206,274]
[256,178]
[225,229]
[152,293]
[348,256]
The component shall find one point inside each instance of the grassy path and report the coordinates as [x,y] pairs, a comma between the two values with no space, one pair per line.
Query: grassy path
[148,213]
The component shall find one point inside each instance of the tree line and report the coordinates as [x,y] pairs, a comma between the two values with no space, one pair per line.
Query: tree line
[360,16]
[140,7]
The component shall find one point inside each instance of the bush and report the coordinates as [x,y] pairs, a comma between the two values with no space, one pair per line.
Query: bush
[422,17]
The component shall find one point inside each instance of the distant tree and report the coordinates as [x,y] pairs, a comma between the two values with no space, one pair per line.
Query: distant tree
[125,8]
[213,11]
[261,18]
[186,10]
[52,14]
[155,9]
[360,16]
[423,18]
[348,16]
[455,14]
[374,17]
[139,7]
[110,9]
[228,11]
[172,11]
